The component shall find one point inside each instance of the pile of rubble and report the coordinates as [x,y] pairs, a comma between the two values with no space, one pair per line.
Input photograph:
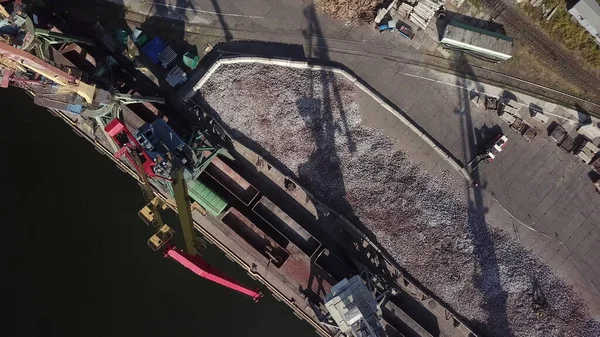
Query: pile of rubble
[350,11]
[311,123]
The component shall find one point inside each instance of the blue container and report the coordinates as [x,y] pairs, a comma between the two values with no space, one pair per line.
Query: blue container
[153,48]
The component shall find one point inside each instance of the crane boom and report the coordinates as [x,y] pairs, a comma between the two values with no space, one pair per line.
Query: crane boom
[185,212]
[138,157]
[12,57]
[203,269]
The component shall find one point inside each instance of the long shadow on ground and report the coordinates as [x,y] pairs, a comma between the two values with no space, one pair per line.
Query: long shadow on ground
[488,276]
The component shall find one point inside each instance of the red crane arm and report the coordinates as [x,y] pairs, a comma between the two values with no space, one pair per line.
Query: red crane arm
[203,269]
[116,128]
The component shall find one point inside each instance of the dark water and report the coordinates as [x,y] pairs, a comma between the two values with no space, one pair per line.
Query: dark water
[75,258]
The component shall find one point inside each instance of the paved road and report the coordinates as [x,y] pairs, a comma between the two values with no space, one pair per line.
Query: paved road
[281,17]
[532,188]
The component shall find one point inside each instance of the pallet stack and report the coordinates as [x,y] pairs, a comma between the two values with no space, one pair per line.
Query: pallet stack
[404,10]
[423,12]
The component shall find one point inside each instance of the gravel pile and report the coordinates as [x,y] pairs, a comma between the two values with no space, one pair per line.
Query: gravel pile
[311,124]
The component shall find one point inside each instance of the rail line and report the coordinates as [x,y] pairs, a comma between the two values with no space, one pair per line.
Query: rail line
[469,71]
[481,74]
[551,50]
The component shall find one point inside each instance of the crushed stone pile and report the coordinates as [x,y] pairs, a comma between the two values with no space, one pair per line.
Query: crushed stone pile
[309,123]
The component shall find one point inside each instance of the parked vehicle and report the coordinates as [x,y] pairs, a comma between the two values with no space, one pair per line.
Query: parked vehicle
[395,26]
[405,31]
[496,147]
[489,152]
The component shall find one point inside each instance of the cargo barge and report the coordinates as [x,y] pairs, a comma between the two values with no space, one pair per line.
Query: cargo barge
[328,271]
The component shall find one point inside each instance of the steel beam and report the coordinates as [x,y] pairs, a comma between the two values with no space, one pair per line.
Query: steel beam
[203,269]
[56,38]
[185,212]
[131,99]
[11,56]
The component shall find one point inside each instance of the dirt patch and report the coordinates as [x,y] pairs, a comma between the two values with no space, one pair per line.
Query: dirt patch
[525,64]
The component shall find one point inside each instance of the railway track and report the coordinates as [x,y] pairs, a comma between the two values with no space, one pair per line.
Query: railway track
[481,74]
[553,52]
[473,72]
[512,83]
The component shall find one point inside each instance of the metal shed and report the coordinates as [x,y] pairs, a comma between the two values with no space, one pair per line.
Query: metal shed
[587,13]
[478,41]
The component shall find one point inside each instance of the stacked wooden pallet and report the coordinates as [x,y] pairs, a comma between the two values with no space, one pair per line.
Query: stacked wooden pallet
[423,12]
[404,10]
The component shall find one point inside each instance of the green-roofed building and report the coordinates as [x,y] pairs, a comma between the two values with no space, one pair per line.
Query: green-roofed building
[477,41]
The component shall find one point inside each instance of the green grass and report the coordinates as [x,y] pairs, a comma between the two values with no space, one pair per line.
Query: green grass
[566,31]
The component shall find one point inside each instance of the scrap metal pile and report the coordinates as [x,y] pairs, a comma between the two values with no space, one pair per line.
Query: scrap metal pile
[350,11]
[311,123]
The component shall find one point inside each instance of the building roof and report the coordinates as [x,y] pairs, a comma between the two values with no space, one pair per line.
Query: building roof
[591,10]
[480,30]
[354,308]
[460,35]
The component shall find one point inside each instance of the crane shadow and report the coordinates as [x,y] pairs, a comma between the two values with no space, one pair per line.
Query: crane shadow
[487,276]
[324,114]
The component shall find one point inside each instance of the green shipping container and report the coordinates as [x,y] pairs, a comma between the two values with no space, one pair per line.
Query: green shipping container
[191,60]
[212,202]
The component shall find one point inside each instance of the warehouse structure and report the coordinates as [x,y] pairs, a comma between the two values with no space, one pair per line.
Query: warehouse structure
[587,13]
[477,41]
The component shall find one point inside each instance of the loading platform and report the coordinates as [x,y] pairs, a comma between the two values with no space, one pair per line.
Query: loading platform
[297,247]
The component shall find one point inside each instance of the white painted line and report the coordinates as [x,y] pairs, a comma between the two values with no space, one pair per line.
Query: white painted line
[203,11]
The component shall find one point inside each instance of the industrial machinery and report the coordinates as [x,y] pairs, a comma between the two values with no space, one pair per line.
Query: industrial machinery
[58,88]
[25,61]
[167,166]
[155,152]
[310,261]
[354,309]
